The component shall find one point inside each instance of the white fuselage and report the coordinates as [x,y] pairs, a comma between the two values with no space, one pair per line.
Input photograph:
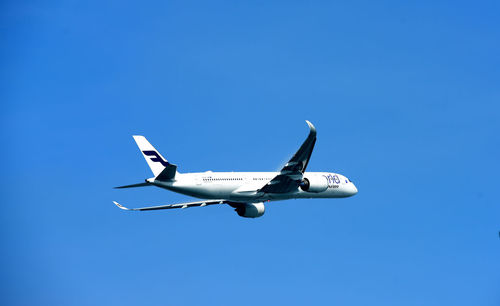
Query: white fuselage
[244,186]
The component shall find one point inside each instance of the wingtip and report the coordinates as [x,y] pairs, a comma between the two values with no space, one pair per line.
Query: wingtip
[311,126]
[120,206]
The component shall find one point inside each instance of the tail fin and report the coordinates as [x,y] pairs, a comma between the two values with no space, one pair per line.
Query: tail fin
[162,169]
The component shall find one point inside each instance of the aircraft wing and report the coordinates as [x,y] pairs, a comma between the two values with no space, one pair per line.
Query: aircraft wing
[171,206]
[291,174]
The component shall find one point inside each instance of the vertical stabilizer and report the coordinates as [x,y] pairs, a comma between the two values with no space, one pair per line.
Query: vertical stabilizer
[155,161]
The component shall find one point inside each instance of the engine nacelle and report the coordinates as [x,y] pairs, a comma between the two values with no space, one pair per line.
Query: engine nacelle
[314,183]
[250,210]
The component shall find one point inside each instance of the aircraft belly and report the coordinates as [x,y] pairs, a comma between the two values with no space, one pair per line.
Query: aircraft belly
[194,191]
[329,193]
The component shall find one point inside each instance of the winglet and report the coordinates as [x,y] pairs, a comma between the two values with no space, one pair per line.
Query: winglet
[119,206]
[311,127]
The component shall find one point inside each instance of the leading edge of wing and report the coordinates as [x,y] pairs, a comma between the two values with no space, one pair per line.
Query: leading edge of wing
[299,161]
[171,206]
[291,174]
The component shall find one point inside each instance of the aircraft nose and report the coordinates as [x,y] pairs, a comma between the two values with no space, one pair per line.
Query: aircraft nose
[353,190]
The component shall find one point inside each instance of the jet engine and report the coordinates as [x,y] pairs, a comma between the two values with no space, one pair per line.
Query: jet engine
[250,210]
[315,183]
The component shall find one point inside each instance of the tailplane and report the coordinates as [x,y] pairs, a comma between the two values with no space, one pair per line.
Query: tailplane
[161,168]
[134,185]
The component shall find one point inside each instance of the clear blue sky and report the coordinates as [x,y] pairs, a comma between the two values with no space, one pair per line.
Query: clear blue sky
[405,97]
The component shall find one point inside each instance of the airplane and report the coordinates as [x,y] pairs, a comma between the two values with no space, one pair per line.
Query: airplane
[246,192]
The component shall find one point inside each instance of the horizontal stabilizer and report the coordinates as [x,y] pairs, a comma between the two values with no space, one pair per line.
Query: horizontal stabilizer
[134,185]
[168,173]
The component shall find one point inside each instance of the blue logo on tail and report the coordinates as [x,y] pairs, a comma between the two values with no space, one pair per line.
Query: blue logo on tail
[155,157]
